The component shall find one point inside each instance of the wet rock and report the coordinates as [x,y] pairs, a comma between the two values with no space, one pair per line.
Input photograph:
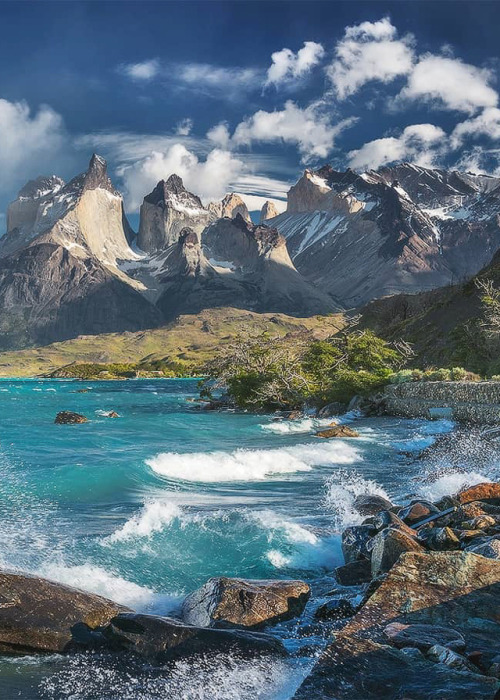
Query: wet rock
[488,491]
[416,511]
[360,669]
[64,417]
[354,573]
[356,542]
[467,536]
[481,522]
[338,431]
[161,639]
[387,519]
[294,415]
[335,609]
[423,637]
[447,502]
[388,546]
[469,511]
[113,414]
[245,603]
[37,615]
[443,655]
[439,539]
[489,549]
[371,504]
[332,409]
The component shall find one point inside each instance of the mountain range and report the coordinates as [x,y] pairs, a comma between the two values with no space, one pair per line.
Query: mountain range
[71,265]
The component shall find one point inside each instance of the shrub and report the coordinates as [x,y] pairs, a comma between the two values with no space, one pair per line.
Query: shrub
[403,376]
[495,378]
[438,375]
[458,374]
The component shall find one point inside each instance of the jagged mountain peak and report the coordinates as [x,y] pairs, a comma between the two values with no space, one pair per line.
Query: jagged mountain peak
[268,211]
[41,186]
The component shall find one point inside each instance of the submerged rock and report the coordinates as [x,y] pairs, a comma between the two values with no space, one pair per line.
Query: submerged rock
[335,609]
[37,615]
[161,639]
[64,417]
[245,603]
[338,431]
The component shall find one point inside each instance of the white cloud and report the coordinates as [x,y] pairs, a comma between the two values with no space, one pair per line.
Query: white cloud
[450,84]
[184,127]
[369,51]
[219,135]
[418,143]
[262,185]
[485,124]
[141,72]
[289,66]
[209,178]
[311,131]
[29,142]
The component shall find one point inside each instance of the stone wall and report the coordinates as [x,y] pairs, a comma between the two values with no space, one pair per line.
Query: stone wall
[475,402]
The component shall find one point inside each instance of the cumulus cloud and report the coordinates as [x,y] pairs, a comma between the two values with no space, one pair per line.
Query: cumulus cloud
[29,142]
[143,71]
[288,66]
[485,124]
[219,135]
[184,127]
[208,178]
[419,143]
[451,84]
[369,51]
[309,129]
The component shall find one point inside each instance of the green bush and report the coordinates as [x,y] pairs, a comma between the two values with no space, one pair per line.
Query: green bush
[458,374]
[438,375]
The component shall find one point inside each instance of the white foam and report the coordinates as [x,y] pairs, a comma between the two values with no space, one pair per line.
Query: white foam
[449,484]
[250,465]
[305,425]
[153,517]
[342,490]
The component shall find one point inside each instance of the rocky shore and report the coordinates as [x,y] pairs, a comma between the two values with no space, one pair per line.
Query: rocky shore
[415,612]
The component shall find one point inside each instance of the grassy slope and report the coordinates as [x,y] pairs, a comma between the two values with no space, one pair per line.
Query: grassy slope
[430,320]
[189,338]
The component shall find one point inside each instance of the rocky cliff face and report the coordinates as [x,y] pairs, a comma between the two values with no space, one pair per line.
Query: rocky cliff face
[167,210]
[268,211]
[360,237]
[236,264]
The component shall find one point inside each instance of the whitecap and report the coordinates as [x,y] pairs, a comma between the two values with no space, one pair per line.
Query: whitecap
[449,483]
[342,489]
[250,465]
[153,517]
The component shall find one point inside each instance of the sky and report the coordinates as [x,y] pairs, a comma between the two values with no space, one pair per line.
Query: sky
[242,96]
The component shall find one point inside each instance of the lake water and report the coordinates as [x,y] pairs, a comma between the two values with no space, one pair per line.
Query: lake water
[144,508]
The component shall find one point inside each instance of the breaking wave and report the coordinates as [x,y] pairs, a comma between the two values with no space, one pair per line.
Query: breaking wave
[250,465]
[342,489]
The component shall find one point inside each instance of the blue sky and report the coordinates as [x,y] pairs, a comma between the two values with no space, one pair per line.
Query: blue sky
[243,95]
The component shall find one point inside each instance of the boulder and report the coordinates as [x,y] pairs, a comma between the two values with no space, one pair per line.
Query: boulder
[371,504]
[338,431]
[245,603]
[356,542]
[423,637]
[335,609]
[332,409]
[444,655]
[113,414]
[388,546]
[352,668]
[488,491]
[469,511]
[294,415]
[37,615]
[161,639]
[417,511]
[481,522]
[489,549]
[354,573]
[388,519]
[434,588]
[64,417]
[439,539]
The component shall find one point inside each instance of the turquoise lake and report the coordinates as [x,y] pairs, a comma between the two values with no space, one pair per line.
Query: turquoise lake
[145,507]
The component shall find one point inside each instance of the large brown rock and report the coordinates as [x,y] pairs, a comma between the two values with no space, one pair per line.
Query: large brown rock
[37,615]
[488,491]
[338,431]
[245,603]
[456,589]
[162,639]
[371,504]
